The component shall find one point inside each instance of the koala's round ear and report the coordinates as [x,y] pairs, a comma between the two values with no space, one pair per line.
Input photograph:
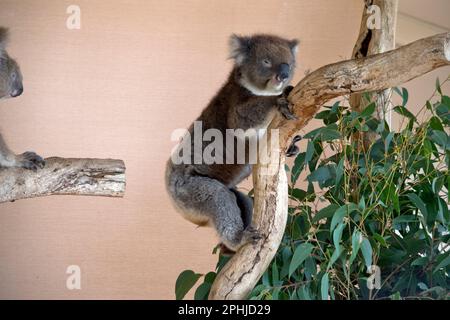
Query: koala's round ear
[239,48]
[293,44]
[3,38]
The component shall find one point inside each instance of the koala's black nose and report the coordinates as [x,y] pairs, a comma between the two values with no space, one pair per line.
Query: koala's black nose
[283,72]
[17,92]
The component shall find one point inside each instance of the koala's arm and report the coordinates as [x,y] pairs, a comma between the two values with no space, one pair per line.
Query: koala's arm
[255,111]
[27,160]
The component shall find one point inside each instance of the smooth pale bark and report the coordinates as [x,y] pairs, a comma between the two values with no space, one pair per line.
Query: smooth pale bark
[377,72]
[60,176]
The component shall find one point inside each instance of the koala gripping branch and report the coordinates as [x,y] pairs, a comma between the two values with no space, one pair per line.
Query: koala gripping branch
[377,72]
[60,176]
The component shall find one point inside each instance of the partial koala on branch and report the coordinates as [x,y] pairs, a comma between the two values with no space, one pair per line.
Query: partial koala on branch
[10,87]
[256,89]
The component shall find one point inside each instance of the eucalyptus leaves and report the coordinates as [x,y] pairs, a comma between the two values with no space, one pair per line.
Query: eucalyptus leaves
[372,223]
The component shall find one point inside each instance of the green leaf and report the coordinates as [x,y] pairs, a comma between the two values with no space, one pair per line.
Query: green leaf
[405,219]
[396,296]
[339,171]
[337,235]
[437,184]
[366,250]
[325,212]
[303,293]
[436,124]
[202,291]
[321,174]
[210,277]
[443,263]
[438,86]
[404,96]
[418,203]
[298,167]
[369,110]
[309,152]
[341,213]
[275,273]
[421,261]
[387,142]
[404,112]
[324,285]
[299,194]
[185,281]
[357,239]
[440,137]
[380,239]
[327,134]
[301,253]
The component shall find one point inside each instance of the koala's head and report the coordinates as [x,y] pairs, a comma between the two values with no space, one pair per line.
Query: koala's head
[265,62]
[10,75]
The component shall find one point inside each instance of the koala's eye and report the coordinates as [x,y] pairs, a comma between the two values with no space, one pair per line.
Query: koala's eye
[13,76]
[267,63]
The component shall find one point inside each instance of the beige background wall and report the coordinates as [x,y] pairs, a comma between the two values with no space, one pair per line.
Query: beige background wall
[117,88]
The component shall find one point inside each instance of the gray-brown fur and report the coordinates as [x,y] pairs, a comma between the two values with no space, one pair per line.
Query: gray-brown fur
[11,86]
[256,88]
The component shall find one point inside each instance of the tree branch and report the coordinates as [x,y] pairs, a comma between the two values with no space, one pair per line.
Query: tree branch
[378,72]
[60,176]
[370,42]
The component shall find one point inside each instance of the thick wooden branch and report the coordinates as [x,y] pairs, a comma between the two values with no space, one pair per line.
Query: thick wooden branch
[378,72]
[60,176]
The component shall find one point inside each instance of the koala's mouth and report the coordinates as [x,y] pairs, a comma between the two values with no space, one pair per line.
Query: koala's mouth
[275,83]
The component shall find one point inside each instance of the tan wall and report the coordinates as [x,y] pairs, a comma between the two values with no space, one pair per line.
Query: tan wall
[117,88]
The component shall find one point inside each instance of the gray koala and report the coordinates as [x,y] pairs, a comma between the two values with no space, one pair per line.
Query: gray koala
[256,88]
[10,87]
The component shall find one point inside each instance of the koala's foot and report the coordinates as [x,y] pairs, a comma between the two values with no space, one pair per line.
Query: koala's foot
[293,149]
[30,160]
[283,104]
[248,235]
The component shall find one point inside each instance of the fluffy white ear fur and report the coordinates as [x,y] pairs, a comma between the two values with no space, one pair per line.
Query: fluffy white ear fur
[3,38]
[294,46]
[238,48]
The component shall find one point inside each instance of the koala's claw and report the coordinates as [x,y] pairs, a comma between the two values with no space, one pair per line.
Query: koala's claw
[292,151]
[31,161]
[283,105]
[251,235]
[287,90]
[288,114]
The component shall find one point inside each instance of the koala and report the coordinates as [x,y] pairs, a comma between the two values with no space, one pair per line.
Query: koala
[10,87]
[256,89]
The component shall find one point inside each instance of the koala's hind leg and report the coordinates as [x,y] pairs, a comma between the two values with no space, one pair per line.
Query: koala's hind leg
[212,199]
[245,203]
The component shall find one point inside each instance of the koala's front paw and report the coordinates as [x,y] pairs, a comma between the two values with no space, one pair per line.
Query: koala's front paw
[293,149]
[251,235]
[283,105]
[30,160]
[287,91]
